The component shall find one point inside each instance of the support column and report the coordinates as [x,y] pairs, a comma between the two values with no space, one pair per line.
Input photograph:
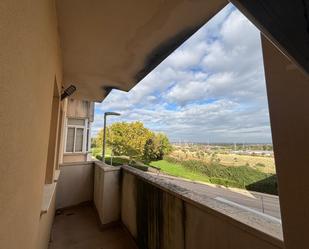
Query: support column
[288,97]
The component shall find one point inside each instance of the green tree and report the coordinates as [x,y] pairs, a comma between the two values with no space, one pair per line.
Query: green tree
[165,144]
[135,141]
[128,139]
[156,147]
[151,150]
[97,142]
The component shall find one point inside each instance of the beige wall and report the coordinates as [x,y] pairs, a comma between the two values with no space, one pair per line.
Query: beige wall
[204,230]
[30,63]
[128,203]
[107,183]
[75,184]
[175,222]
[46,222]
[288,97]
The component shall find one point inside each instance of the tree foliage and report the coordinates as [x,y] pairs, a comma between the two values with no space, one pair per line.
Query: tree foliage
[128,138]
[134,140]
[156,147]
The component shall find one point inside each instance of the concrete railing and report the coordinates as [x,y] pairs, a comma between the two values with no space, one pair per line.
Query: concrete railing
[91,181]
[159,214]
[107,187]
[75,184]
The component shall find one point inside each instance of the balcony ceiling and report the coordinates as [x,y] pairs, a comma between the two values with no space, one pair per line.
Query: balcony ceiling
[110,44]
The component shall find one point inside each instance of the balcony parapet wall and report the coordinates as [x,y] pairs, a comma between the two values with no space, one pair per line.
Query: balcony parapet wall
[159,214]
[106,197]
[75,184]
[162,215]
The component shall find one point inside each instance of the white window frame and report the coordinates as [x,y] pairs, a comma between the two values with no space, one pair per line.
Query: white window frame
[88,124]
[84,127]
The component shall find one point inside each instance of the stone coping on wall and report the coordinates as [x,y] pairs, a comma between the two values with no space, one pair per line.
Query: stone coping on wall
[76,163]
[259,226]
[48,193]
[57,175]
[105,167]
[76,153]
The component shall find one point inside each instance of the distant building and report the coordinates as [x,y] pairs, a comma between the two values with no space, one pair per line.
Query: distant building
[77,130]
[254,152]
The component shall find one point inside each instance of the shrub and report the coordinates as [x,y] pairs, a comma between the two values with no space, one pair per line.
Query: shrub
[241,176]
[117,161]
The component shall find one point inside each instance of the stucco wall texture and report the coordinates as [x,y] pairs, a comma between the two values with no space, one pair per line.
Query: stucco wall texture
[158,219]
[106,197]
[30,64]
[288,89]
[75,184]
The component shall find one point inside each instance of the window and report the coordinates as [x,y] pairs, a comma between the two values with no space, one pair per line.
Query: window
[88,138]
[77,135]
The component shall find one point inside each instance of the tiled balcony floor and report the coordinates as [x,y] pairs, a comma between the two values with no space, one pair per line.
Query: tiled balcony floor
[78,228]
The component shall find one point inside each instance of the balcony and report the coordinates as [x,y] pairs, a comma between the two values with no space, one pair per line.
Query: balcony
[78,227]
[99,206]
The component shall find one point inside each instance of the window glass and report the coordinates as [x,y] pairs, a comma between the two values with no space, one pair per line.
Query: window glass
[79,140]
[75,121]
[70,140]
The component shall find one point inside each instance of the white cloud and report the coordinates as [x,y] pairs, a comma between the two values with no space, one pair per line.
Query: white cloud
[184,58]
[216,121]
[189,91]
[211,88]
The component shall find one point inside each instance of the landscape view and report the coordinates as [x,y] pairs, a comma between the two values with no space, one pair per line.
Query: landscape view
[247,166]
[197,117]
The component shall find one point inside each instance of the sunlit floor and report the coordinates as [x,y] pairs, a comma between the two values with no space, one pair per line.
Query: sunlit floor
[78,228]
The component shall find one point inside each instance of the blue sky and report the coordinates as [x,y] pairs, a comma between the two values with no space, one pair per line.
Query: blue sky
[211,89]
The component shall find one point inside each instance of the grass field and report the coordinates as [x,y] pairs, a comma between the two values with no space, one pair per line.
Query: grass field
[262,163]
[241,171]
[239,177]
[179,170]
